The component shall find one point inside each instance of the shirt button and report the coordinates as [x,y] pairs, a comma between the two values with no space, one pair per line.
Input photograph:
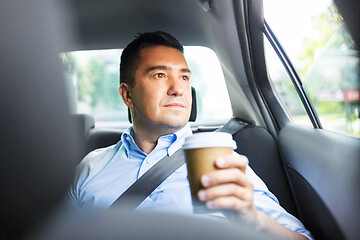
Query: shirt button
[127,138]
[149,160]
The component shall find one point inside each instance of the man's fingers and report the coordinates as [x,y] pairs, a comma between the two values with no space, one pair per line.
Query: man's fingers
[230,189]
[229,202]
[232,161]
[223,176]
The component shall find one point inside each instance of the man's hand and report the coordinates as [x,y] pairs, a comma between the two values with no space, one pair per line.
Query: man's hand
[229,188]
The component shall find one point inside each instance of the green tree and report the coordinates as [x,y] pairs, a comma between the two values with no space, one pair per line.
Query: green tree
[330,32]
[329,65]
[99,85]
[197,82]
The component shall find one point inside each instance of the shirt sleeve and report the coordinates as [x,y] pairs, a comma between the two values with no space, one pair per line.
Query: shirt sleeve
[267,203]
[85,168]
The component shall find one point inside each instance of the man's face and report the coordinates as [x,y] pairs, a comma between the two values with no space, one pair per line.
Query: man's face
[161,95]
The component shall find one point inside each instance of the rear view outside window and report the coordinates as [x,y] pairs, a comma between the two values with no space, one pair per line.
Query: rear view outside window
[317,42]
[94,76]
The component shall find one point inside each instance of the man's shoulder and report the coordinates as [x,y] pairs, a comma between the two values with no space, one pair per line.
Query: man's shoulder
[99,151]
[96,155]
[94,161]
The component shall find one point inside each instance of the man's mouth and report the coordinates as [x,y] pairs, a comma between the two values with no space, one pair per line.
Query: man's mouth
[175,105]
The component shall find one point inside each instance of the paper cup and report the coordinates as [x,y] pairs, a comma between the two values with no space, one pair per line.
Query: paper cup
[201,151]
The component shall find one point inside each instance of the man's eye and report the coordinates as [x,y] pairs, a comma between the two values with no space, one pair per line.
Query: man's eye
[159,75]
[185,77]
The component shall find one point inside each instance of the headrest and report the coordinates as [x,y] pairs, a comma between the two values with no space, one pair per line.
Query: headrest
[193,113]
[84,123]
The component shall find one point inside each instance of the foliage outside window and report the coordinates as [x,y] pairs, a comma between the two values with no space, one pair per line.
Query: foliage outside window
[323,53]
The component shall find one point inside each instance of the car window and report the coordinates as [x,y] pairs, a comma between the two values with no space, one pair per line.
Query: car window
[324,56]
[94,76]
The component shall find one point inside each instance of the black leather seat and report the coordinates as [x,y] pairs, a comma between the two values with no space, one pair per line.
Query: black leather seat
[262,151]
[94,138]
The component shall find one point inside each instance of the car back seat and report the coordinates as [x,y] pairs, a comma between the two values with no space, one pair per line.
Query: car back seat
[94,138]
[254,142]
[261,149]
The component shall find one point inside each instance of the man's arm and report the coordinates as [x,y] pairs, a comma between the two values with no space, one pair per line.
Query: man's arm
[230,188]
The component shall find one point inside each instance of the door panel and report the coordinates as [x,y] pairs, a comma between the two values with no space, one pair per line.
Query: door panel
[323,169]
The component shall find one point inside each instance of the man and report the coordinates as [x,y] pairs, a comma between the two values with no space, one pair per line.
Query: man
[155,85]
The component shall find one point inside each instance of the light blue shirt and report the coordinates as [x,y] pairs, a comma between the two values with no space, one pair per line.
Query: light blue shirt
[104,174]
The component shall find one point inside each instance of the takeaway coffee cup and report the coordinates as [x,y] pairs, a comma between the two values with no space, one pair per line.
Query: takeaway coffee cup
[201,151]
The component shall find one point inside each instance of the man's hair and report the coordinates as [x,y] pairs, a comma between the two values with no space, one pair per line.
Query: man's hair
[130,56]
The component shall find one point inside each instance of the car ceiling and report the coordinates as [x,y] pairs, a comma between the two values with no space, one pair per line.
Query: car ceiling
[114,23]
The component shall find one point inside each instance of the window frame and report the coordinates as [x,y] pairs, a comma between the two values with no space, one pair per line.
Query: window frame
[257,30]
[293,75]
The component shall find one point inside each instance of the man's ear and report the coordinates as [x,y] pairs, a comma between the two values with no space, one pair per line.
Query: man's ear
[125,94]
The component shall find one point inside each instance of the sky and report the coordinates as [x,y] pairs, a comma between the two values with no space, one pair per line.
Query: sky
[290,20]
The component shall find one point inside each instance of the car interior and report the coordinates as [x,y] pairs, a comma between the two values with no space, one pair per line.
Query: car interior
[313,172]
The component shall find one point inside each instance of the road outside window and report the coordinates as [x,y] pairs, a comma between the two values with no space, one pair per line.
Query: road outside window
[317,42]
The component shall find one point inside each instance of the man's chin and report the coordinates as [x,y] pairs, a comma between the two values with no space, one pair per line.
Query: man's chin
[175,124]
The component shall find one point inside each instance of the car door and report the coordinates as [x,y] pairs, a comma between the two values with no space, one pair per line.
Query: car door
[320,158]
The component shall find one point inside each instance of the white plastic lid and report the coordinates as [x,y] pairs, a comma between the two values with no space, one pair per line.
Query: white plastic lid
[210,139]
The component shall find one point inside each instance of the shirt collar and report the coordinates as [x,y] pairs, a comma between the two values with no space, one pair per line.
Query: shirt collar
[180,139]
[171,142]
[129,143]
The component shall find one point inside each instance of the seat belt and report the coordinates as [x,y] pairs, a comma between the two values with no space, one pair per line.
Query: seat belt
[150,180]
[234,125]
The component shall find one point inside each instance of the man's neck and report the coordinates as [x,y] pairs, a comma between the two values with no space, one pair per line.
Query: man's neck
[147,140]
[146,144]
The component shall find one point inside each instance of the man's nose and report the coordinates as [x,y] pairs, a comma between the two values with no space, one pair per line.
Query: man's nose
[176,86]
